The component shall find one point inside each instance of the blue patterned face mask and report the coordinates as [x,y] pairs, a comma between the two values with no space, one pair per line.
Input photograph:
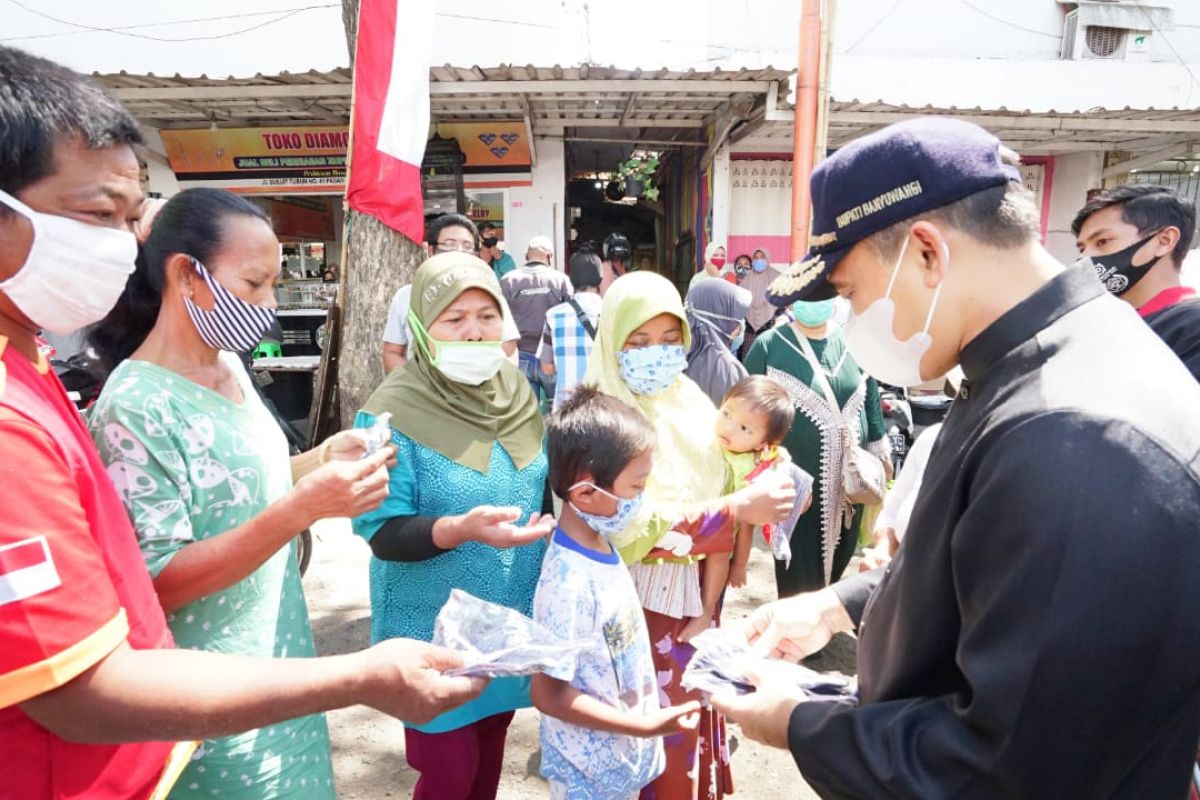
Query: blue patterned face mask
[627,509]
[650,370]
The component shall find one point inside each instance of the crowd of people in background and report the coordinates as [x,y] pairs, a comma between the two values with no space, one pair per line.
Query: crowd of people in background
[591,447]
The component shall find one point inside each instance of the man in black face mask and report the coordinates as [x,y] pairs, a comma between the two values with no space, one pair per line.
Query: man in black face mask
[489,250]
[1137,237]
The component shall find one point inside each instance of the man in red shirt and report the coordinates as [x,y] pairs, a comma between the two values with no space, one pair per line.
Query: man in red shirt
[1137,237]
[92,696]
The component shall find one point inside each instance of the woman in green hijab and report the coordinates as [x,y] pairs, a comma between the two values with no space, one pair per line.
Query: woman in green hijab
[463,502]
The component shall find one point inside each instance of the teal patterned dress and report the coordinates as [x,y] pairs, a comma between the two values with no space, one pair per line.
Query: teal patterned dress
[189,464]
[406,596]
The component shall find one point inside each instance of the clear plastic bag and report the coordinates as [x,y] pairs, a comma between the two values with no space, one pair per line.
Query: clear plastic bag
[496,641]
[723,661]
[379,434]
[781,533]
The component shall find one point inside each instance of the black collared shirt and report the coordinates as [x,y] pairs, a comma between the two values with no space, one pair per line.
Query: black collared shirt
[1038,634]
[1179,326]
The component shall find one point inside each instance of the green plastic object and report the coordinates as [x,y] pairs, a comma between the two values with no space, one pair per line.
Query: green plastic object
[268,350]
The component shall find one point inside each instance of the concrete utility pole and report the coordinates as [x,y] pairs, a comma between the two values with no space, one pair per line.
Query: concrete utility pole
[811,115]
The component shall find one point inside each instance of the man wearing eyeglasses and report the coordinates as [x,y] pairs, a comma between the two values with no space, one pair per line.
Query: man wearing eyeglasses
[445,234]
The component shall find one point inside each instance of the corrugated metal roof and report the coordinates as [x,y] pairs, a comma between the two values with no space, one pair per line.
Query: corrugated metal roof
[553,97]
[1048,132]
[659,104]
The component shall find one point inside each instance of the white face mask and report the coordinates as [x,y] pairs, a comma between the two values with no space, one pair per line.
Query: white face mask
[873,342]
[74,273]
[471,363]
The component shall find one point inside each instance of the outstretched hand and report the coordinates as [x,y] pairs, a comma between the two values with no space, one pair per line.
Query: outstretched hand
[495,525]
[405,680]
[675,719]
[765,501]
[796,626]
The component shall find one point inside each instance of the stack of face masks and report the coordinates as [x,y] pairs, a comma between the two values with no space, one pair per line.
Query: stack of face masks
[724,661]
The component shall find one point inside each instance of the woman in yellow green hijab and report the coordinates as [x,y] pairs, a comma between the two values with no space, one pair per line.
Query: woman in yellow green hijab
[639,356]
[462,506]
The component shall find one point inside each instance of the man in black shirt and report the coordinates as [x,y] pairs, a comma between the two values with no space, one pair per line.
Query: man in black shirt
[1137,237]
[1036,635]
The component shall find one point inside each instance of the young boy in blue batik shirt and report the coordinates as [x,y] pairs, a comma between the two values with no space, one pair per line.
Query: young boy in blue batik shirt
[602,722]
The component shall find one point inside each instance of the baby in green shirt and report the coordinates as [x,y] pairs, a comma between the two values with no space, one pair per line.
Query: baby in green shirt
[755,416]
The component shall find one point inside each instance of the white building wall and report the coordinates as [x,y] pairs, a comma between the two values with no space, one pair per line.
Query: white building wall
[158,169]
[1074,175]
[538,209]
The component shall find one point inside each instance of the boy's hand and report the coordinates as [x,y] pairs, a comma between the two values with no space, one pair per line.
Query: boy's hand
[737,575]
[676,719]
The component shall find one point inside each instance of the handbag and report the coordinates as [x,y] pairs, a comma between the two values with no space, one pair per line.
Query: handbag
[863,479]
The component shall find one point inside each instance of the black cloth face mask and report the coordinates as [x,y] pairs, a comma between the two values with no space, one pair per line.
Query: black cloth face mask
[490,241]
[1117,271]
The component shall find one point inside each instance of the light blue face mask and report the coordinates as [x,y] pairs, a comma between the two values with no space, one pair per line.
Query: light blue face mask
[627,509]
[813,314]
[651,370]
[759,264]
[738,340]
[713,320]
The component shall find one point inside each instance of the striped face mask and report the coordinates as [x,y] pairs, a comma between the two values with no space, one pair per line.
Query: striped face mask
[233,324]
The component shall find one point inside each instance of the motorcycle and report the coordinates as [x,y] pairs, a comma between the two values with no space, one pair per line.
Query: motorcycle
[898,422]
[78,378]
[928,409]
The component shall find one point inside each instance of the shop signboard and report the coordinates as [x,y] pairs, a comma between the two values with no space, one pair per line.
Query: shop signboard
[281,160]
[300,159]
[493,146]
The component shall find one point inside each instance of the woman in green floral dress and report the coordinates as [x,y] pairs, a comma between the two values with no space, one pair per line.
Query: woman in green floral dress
[205,474]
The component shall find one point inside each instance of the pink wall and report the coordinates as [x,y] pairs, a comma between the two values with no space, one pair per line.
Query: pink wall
[777,246]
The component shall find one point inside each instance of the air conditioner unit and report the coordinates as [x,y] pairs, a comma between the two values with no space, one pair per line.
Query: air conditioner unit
[1110,30]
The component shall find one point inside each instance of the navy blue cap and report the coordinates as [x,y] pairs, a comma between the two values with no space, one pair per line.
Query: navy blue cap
[891,175]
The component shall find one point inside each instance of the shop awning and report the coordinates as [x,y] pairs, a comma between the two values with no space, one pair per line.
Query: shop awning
[550,99]
[1142,131]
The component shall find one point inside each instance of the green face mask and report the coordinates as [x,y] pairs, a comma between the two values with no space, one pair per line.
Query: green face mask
[811,315]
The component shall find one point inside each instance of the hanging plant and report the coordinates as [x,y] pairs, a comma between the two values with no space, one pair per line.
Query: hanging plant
[638,175]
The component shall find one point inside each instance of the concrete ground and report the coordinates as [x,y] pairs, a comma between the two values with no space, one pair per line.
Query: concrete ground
[368,747]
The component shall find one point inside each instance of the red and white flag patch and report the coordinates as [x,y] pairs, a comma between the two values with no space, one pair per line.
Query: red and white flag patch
[26,569]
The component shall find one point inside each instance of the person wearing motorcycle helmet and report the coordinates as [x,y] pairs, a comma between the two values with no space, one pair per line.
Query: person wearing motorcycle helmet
[617,253]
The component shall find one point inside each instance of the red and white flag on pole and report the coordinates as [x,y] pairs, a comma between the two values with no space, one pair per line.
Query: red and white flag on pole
[391,112]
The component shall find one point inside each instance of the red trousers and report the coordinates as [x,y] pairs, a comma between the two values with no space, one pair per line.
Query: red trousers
[462,764]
